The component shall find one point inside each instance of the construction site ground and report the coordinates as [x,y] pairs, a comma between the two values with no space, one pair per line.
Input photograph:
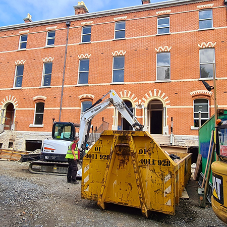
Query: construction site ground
[48,200]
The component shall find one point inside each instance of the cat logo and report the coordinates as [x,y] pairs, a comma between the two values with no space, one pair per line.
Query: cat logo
[218,188]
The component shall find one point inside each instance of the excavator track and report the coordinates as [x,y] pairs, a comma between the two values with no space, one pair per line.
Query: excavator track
[41,167]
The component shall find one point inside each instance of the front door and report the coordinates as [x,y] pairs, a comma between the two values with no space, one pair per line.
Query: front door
[156,122]
[122,122]
[155,116]
[9,117]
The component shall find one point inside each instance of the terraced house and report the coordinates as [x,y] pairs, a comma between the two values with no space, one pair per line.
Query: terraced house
[155,56]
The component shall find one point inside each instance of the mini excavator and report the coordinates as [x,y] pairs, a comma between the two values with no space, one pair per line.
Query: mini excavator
[52,158]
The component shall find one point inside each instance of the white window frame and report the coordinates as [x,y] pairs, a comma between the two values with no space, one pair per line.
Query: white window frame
[163,66]
[38,113]
[50,38]
[44,74]
[207,63]
[80,71]
[86,34]
[161,27]
[208,112]
[117,30]
[21,42]
[15,78]
[206,19]
[118,69]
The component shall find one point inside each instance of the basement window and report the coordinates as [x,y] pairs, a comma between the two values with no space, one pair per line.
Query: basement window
[32,145]
[10,145]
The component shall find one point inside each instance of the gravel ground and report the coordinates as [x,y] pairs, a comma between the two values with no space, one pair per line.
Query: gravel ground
[47,200]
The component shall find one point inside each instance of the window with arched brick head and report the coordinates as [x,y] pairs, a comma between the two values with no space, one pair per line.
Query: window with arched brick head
[39,111]
[201,111]
[85,105]
[86,101]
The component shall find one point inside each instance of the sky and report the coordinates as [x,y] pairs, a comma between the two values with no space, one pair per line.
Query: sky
[14,11]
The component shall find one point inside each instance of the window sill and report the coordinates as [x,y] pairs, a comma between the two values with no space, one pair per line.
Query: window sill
[21,49]
[84,43]
[117,83]
[205,29]
[35,126]
[164,34]
[209,78]
[49,46]
[82,85]
[194,128]
[16,88]
[45,87]
[163,81]
[119,39]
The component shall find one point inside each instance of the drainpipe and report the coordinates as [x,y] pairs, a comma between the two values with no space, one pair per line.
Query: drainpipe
[1,123]
[63,78]
[200,118]
[171,135]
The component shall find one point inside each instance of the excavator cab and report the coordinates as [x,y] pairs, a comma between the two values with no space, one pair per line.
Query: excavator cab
[222,141]
[63,131]
[219,174]
[52,158]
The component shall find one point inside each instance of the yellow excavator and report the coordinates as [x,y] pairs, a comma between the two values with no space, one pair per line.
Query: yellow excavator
[219,173]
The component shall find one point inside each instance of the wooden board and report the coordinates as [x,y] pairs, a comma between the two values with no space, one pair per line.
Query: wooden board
[11,155]
[198,164]
[185,194]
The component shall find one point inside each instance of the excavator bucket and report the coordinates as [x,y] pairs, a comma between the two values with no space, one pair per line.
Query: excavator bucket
[129,168]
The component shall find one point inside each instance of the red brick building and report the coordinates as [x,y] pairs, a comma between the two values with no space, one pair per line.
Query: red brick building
[155,56]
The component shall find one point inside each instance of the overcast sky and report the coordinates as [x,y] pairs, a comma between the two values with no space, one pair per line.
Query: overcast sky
[14,11]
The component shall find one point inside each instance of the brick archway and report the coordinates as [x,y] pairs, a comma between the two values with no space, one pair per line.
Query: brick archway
[9,117]
[161,99]
[125,95]
[8,113]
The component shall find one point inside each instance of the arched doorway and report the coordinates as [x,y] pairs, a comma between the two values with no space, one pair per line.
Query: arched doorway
[125,124]
[155,116]
[9,116]
[122,122]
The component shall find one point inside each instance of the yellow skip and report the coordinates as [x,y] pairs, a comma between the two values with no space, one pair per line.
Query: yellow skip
[130,169]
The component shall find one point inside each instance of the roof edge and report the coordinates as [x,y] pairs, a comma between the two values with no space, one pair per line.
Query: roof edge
[105,13]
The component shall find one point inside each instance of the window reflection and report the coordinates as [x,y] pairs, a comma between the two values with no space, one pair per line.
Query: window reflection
[163,66]
[207,63]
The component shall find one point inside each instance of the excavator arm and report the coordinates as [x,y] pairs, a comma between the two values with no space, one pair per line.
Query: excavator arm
[98,107]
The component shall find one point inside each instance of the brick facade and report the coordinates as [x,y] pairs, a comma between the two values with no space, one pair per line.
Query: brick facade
[139,47]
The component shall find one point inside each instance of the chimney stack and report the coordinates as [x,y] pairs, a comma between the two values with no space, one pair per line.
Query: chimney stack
[80,8]
[28,18]
[145,2]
